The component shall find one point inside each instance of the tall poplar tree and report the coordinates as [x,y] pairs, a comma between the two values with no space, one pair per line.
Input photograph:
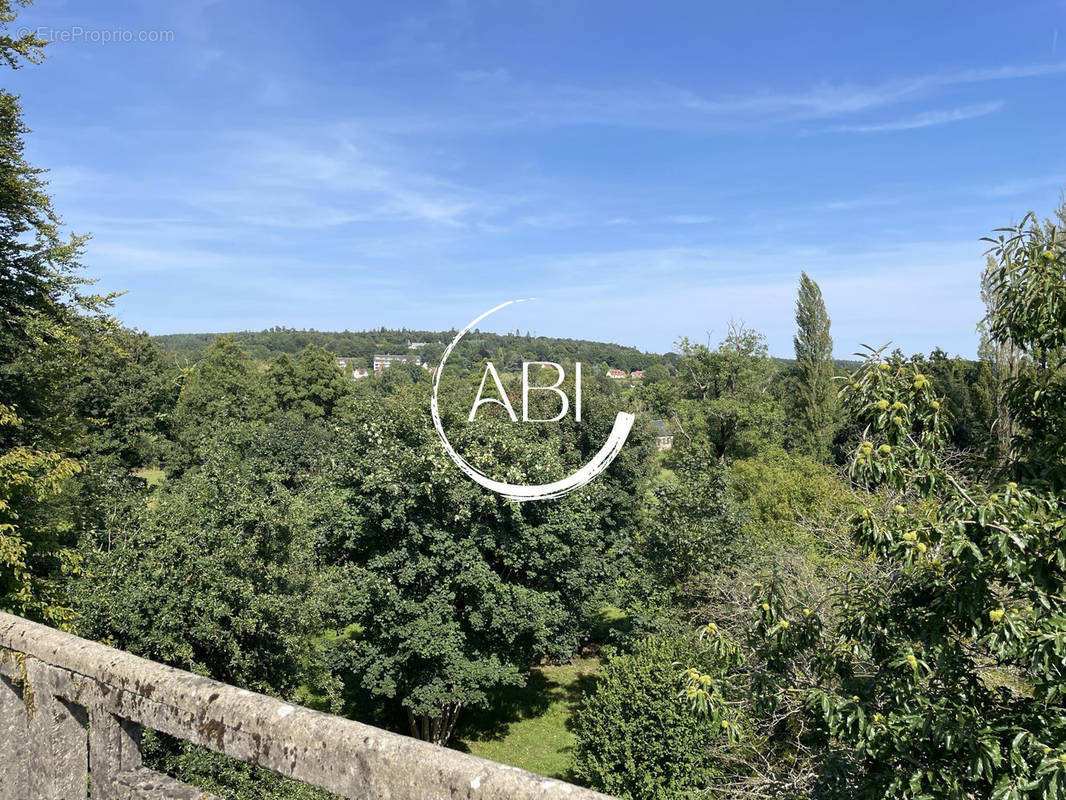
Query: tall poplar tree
[816,408]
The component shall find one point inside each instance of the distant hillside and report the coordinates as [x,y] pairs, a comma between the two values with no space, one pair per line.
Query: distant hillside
[363,345]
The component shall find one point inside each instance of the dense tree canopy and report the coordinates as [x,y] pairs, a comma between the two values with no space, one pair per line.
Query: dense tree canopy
[810,596]
[464,589]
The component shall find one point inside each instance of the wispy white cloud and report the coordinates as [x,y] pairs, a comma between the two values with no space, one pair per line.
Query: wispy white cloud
[926,119]
[128,257]
[495,97]
[827,99]
[330,178]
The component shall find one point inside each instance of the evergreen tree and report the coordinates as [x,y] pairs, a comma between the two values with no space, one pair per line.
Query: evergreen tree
[816,402]
[43,319]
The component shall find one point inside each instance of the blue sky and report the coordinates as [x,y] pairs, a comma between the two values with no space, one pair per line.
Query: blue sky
[646,170]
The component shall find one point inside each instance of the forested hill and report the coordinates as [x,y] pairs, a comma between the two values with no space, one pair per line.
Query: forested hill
[364,344]
[263,345]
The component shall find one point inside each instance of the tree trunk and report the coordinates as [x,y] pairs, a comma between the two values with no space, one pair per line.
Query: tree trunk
[435,729]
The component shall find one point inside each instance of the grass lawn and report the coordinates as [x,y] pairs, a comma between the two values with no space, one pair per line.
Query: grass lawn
[527,727]
[153,477]
[665,477]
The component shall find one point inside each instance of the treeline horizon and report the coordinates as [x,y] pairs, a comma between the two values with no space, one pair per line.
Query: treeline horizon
[269,342]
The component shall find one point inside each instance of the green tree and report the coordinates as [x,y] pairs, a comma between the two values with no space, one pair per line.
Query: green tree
[125,394]
[282,382]
[463,590]
[326,390]
[1000,361]
[216,573]
[794,512]
[727,405]
[43,317]
[657,392]
[694,526]
[961,383]
[31,561]
[636,738]
[815,398]
[656,373]
[955,648]
[941,671]
[1025,288]
[214,577]
[224,387]
[312,386]
[402,374]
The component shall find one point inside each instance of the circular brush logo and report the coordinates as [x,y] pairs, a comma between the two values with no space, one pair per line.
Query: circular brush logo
[623,423]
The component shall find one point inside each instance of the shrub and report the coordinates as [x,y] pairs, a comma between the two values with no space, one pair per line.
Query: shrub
[635,737]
